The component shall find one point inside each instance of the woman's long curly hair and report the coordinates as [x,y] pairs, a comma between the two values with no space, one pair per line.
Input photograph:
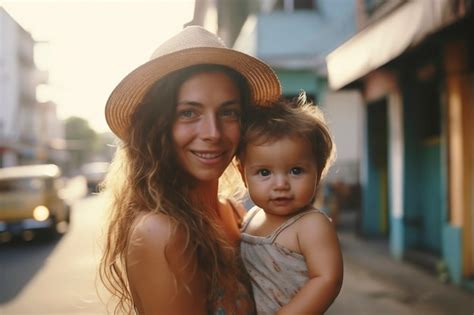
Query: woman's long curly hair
[145,177]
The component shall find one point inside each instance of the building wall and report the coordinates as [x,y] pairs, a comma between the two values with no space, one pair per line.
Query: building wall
[344,111]
[9,88]
[9,71]
[428,88]
[460,114]
[19,129]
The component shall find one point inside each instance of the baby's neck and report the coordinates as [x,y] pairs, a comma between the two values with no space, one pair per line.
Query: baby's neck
[281,218]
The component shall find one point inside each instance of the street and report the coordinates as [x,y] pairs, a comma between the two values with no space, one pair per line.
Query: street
[56,277]
[59,277]
[376,283]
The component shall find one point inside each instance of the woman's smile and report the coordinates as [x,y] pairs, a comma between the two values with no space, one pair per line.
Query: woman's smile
[206,130]
[210,157]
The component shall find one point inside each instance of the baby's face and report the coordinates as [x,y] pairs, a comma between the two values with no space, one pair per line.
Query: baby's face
[281,176]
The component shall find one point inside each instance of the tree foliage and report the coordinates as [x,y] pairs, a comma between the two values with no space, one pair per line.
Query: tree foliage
[82,141]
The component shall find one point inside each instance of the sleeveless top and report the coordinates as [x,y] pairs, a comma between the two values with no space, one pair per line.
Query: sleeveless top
[276,272]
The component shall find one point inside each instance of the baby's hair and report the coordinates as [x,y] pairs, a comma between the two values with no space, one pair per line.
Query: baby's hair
[290,118]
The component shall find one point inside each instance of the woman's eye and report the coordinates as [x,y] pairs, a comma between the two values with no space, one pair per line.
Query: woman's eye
[186,114]
[264,172]
[231,113]
[296,170]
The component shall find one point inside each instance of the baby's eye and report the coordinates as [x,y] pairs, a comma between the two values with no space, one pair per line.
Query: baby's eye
[296,170]
[264,172]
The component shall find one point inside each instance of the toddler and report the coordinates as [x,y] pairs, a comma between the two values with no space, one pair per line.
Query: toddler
[289,248]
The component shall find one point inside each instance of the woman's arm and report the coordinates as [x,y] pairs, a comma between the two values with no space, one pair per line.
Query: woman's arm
[319,245]
[152,281]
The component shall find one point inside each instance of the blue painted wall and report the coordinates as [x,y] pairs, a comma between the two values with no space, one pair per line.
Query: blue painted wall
[452,252]
[294,81]
[397,237]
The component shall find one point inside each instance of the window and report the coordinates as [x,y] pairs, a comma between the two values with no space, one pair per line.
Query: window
[290,5]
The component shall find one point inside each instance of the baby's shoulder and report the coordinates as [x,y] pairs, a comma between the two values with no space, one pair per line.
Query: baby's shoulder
[249,216]
[251,212]
[314,225]
[315,220]
[315,215]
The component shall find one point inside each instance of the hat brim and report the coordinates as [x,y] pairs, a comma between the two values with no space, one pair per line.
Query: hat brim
[263,82]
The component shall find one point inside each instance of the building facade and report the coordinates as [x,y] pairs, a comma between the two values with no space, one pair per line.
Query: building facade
[25,124]
[413,63]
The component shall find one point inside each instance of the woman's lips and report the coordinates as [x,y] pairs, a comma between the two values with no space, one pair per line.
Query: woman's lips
[208,157]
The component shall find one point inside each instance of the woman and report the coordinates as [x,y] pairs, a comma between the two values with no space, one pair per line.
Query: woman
[172,238]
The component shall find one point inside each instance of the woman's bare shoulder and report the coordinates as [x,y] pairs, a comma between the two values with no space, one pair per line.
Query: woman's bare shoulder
[149,237]
[151,228]
[153,233]
[154,263]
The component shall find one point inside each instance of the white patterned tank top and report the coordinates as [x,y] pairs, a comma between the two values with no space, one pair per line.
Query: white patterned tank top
[276,273]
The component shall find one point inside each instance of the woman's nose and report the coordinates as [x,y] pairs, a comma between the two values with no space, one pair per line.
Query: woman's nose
[210,128]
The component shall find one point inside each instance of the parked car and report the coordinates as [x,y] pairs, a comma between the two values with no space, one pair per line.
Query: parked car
[94,173]
[30,201]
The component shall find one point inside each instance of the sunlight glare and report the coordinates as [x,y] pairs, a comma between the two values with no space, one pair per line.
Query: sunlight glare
[89,46]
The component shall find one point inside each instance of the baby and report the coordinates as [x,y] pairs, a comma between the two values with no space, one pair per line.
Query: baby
[289,248]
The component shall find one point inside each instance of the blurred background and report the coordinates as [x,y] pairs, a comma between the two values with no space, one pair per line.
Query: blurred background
[395,79]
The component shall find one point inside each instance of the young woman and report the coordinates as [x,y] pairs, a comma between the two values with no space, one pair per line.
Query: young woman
[172,238]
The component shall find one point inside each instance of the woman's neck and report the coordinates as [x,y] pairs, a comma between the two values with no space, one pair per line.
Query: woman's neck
[206,193]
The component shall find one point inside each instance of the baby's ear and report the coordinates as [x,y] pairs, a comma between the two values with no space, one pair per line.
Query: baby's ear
[240,167]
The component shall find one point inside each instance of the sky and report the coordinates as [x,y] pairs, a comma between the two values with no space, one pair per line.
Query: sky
[89,46]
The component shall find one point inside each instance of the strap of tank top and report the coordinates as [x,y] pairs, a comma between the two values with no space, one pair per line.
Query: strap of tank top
[252,213]
[237,214]
[292,220]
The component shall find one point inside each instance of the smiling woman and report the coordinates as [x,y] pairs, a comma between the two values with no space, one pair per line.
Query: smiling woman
[172,242]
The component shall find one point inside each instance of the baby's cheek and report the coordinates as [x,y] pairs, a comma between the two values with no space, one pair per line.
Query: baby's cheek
[257,194]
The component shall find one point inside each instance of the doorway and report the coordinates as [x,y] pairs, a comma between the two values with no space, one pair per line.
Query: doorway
[376,218]
[423,173]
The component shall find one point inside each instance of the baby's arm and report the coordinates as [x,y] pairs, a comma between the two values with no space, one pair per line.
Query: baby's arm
[319,245]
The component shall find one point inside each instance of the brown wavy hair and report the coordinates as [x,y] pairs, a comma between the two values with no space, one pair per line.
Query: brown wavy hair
[145,176]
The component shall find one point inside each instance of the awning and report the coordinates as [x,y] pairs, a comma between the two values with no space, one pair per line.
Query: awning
[388,38]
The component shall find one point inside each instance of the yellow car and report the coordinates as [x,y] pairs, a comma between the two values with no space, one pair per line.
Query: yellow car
[30,201]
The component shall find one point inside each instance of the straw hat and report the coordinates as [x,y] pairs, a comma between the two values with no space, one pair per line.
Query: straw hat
[193,45]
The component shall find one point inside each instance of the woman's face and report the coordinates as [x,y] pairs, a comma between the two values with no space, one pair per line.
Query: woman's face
[206,128]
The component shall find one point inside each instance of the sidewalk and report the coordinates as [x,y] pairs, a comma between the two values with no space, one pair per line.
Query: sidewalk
[376,283]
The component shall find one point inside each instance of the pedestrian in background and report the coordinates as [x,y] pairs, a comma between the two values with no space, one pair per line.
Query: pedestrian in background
[173,234]
[289,248]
